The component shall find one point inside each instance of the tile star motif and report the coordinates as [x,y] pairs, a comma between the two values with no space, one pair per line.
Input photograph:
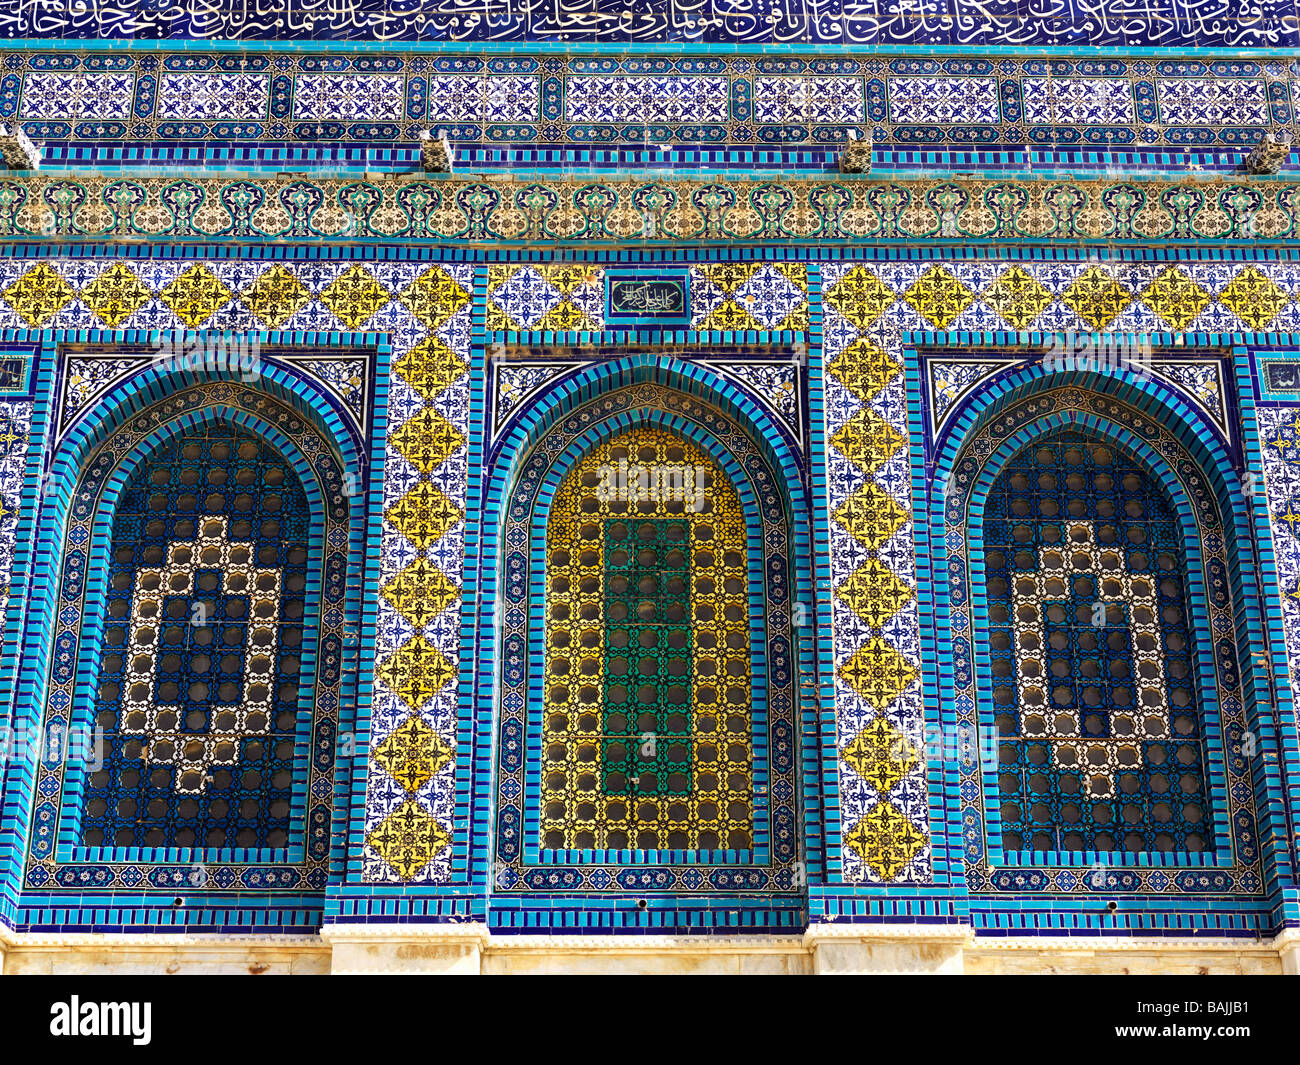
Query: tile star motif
[566,317]
[864,369]
[1017,296]
[420,592]
[728,277]
[412,754]
[39,295]
[878,673]
[867,440]
[861,297]
[870,515]
[1253,297]
[886,840]
[938,296]
[275,297]
[519,297]
[196,295]
[773,299]
[423,515]
[427,439]
[881,755]
[431,367]
[416,672]
[731,316]
[115,295]
[433,297]
[1175,297]
[1097,297]
[408,839]
[874,593]
[355,297]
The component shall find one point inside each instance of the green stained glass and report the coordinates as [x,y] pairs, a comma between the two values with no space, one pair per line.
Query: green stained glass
[646,744]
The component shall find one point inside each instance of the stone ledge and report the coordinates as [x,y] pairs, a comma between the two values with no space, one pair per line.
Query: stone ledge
[471,949]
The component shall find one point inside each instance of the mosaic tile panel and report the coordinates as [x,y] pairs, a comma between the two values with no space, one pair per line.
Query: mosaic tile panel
[1176,24]
[154,669]
[883,801]
[1094,688]
[728,211]
[413,761]
[1279,435]
[1124,102]
[199,685]
[529,808]
[648,718]
[15,429]
[559,297]
[1143,604]
[749,296]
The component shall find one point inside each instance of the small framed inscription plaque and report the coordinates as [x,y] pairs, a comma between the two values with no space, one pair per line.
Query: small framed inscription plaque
[654,298]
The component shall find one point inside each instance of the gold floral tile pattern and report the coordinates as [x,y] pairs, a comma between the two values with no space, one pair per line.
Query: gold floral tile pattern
[410,798]
[883,805]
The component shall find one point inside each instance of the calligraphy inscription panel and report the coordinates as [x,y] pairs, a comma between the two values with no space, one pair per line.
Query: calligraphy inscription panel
[657,298]
[1185,23]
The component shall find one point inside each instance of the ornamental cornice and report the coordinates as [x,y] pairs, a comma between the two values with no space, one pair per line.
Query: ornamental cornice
[630,212]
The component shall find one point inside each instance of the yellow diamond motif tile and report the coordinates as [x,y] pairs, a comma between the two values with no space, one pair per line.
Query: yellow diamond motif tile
[427,440]
[423,515]
[569,277]
[1254,298]
[730,315]
[355,297]
[196,295]
[115,295]
[408,839]
[416,672]
[867,440]
[864,369]
[39,295]
[860,296]
[412,754]
[874,592]
[938,297]
[275,296]
[565,317]
[877,672]
[1175,297]
[870,515]
[1097,298]
[727,277]
[420,592]
[881,755]
[886,840]
[431,367]
[1017,296]
[434,297]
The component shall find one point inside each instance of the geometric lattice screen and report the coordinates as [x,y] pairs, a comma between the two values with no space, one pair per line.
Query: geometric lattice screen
[647,729]
[199,677]
[1093,683]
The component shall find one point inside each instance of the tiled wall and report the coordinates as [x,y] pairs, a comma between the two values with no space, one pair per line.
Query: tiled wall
[876,393]
[545,110]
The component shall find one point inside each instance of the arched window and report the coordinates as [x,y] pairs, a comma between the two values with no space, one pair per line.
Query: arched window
[199,666]
[1091,653]
[647,713]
